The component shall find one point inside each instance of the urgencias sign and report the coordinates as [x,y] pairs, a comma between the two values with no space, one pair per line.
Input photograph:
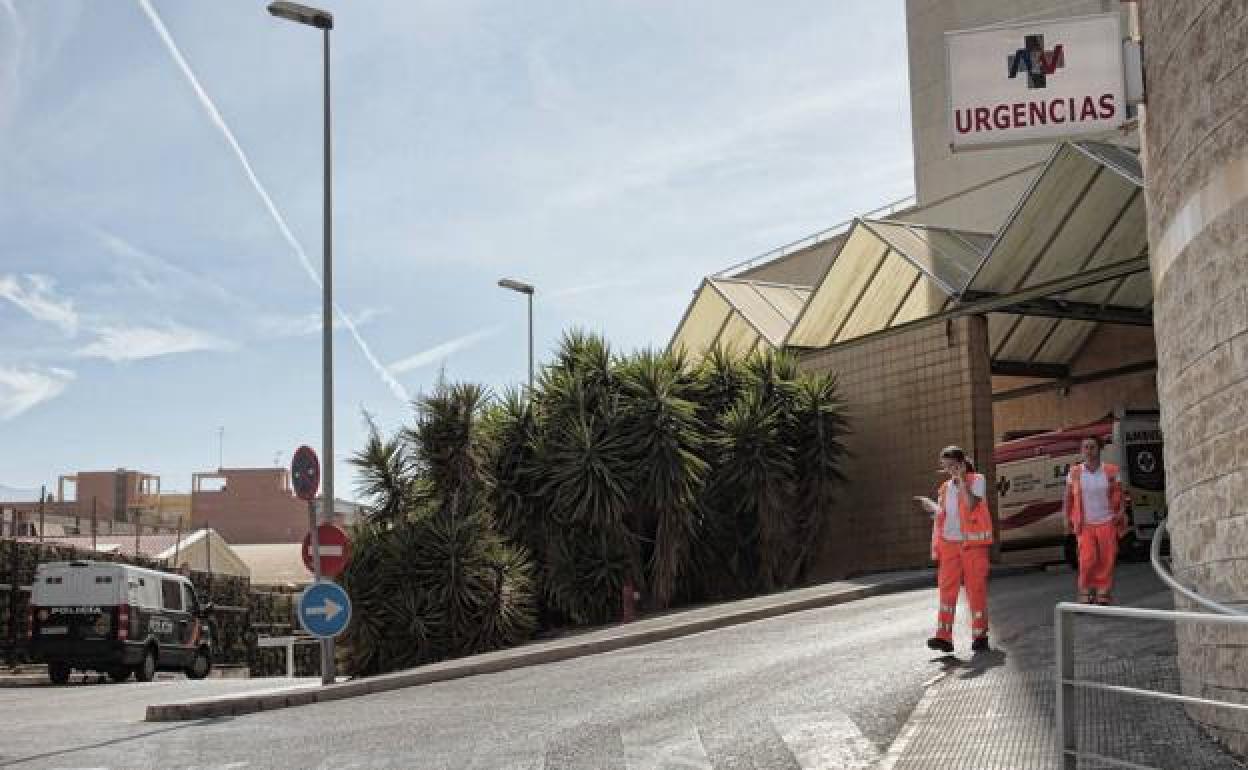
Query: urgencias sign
[1039,81]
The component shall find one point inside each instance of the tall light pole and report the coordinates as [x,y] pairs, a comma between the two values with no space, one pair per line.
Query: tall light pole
[524,288]
[324,21]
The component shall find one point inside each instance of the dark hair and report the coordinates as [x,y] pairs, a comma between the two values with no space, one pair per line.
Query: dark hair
[957,453]
[1100,442]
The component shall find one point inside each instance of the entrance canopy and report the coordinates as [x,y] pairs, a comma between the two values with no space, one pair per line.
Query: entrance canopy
[1072,255]
[738,315]
[886,274]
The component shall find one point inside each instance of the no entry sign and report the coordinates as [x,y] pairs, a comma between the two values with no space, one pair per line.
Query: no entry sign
[305,473]
[335,549]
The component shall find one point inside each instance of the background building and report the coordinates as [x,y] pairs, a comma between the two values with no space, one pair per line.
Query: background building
[256,505]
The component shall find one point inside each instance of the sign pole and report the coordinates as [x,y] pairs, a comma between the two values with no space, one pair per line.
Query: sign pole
[327,648]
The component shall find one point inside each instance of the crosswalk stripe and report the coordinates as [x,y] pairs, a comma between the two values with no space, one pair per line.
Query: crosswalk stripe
[826,740]
[663,747]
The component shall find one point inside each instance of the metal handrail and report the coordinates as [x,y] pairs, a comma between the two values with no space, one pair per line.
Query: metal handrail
[1170,580]
[890,208]
[1067,683]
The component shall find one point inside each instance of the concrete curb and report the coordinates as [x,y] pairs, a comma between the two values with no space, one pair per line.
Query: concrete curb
[616,638]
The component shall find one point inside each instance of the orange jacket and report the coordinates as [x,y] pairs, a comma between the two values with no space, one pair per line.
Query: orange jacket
[1074,498]
[976,522]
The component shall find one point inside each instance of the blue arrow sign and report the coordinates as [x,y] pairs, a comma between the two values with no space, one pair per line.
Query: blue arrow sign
[324,609]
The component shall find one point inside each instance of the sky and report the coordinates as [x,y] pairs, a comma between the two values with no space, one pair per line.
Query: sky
[161,200]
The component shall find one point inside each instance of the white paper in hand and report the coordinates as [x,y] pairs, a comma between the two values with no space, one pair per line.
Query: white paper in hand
[928,504]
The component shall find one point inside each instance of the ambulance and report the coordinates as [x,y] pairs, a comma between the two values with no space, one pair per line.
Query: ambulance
[1031,482]
[117,619]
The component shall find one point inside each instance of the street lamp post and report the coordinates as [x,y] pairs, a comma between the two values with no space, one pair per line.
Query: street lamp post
[524,288]
[324,21]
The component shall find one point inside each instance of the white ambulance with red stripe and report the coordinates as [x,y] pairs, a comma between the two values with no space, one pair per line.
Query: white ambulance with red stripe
[1031,481]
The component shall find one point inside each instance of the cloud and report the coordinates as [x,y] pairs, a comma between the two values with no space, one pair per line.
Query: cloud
[133,343]
[310,323]
[441,352]
[23,388]
[155,275]
[215,116]
[37,298]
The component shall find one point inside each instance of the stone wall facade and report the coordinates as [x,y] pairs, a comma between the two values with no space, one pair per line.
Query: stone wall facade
[1196,163]
[909,395]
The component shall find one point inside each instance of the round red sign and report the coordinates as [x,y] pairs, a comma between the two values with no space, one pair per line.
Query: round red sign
[335,549]
[305,473]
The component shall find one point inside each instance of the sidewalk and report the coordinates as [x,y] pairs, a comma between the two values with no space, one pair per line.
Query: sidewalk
[996,712]
[655,629]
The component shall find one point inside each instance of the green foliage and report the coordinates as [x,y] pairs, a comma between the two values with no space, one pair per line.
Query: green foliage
[687,482]
[435,580]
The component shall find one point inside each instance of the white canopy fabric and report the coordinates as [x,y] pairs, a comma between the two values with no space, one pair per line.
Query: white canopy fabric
[887,273]
[1084,212]
[738,315]
[1072,255]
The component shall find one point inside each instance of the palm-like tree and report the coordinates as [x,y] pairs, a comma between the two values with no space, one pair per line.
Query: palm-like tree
[689,482]
[818,430]
[665,437]
[438,583]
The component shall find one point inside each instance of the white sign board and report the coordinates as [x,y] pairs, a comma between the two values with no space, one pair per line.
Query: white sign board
[1038,81]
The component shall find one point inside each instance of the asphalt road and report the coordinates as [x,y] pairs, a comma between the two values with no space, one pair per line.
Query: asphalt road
[827,688]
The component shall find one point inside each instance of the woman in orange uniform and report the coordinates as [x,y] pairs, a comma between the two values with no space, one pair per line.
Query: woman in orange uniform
[961,545]
[1094,507]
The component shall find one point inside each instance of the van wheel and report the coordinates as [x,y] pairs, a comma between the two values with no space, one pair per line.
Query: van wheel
[1070,552]
[199,667]
[119,675]
[59,673]
[146,671]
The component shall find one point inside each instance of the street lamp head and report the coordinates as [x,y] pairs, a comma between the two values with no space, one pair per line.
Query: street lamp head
[514,285]
[303,14]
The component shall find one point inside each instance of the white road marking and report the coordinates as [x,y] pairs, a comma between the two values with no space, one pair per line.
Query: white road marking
[664,747]
[826,740]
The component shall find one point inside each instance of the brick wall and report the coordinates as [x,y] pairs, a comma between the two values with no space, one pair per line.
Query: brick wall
[908,395]
[1196,156]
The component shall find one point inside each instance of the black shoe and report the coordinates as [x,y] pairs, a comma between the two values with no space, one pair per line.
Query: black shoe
[940,645]
[980,644]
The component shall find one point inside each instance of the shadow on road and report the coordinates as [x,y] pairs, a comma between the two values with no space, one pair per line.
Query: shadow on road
[12,761]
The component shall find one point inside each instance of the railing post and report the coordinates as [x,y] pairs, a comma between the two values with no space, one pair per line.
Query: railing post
[1064,706]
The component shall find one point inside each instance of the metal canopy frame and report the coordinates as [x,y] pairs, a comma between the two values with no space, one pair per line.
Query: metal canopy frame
[1071,256]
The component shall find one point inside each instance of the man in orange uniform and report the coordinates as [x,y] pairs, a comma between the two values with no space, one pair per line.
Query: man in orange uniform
[1094,506]
[961,543]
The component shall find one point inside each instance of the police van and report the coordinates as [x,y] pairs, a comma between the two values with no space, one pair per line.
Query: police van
[117,619]
[1031,481]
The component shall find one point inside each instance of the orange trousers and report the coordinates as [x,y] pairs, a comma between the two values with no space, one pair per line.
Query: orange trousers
[960,565]
[1098,553]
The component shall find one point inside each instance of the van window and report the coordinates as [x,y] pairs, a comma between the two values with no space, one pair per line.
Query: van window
[171,594]
[188,597]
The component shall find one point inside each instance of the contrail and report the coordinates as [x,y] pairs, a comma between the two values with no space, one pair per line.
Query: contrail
[395,387]
[439,352]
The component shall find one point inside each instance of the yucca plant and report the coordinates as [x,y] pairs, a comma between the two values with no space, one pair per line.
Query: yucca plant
[757,479]
[588,476]
[437,582]
[388,476]
[818,429]
[665,438]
